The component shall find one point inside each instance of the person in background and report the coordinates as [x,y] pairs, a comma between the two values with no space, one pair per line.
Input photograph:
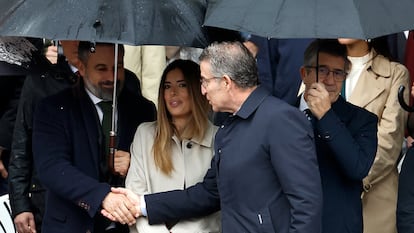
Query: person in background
[27,195]
[346,140]
[175,151]
[278,61]
[405,202]
[372,84]
[264,174]
[147,62]
[70,135]
[18,56]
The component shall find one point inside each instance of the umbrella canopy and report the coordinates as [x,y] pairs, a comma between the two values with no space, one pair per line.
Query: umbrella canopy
[361,19]
[135,22]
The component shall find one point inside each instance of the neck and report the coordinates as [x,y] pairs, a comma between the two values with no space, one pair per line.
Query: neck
[358,49]
[180,123]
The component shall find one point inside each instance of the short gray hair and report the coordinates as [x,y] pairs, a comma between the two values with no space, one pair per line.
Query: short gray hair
[232,59]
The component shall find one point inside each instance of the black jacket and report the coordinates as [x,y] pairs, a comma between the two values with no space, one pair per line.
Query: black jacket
[45,80]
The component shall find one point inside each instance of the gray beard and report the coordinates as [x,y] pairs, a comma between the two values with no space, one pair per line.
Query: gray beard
[102,93]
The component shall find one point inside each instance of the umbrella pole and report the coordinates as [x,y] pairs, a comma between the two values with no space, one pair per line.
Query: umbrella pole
[112,133]
[317,63]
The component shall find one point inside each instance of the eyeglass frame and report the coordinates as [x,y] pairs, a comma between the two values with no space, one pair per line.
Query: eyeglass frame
[338,75]
[205,81]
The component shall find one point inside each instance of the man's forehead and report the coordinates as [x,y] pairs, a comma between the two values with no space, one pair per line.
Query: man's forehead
[331,61]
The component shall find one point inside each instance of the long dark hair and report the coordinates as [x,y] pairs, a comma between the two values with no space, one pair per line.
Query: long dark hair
[381,46]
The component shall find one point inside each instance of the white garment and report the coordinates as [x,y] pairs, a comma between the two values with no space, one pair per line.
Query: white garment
[358,65]
[191,160]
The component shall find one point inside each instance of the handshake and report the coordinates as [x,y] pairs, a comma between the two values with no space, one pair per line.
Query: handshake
[121,205]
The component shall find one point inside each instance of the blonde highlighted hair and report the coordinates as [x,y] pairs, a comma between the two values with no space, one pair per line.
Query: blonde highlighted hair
[198,123]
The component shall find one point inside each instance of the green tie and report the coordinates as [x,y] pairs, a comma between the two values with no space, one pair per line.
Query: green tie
[106,107]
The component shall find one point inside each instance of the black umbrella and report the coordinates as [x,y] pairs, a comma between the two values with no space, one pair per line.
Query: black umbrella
[361,19]
[135,22]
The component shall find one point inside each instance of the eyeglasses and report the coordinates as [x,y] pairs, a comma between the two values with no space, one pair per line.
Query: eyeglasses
[323,71]
[205,81]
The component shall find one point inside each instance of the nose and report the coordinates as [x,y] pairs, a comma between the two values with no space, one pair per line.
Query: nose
[173,91]
[329,79]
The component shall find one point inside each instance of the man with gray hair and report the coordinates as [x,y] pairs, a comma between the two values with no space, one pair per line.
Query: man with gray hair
[264,176]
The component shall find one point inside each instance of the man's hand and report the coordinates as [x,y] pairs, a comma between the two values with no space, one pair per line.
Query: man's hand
[25,223]
[132,197]
[3,171]
[121,162]
[119,208]
[254,50]
[318,100]
[52,54]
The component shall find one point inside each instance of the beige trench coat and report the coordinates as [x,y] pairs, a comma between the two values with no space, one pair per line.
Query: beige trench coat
[376,91]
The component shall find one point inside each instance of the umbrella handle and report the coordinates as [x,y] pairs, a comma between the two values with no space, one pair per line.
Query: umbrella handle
[111,155]
[402,101]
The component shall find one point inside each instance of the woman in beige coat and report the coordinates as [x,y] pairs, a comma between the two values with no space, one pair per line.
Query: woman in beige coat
[373,84]
[175,151]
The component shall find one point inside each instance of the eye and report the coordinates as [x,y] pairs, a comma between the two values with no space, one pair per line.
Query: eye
[167,86]
[183,85]
[323,70]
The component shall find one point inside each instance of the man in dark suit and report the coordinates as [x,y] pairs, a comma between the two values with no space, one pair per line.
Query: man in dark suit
[264,176]
[346,135]
[70,150]
[278,61]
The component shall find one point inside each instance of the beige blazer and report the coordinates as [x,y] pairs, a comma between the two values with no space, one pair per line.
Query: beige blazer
[376,91]
[190,165]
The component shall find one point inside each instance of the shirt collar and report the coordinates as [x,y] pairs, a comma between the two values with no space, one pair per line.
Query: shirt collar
[252,102]
[302,104]
[94,99]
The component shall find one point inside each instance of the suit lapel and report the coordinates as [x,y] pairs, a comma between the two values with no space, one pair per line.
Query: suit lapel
[91,123]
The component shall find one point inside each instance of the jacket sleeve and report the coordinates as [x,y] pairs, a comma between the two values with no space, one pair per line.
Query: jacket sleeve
[21,161]
[354,152]
[199,200]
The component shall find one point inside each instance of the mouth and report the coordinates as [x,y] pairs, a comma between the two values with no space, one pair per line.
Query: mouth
[107,84]
[174,103]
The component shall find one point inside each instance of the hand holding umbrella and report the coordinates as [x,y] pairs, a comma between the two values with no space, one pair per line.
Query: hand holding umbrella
[318,100]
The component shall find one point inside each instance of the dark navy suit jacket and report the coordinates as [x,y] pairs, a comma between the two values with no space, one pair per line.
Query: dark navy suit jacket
[278,62]
[67,141]
[405,205]
[264,175]
[346,144]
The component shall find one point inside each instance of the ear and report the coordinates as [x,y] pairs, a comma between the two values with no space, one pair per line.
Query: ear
[81,68]
[303,72]
[227,81]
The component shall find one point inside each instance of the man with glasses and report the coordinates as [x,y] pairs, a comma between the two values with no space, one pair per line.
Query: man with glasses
[345,135]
